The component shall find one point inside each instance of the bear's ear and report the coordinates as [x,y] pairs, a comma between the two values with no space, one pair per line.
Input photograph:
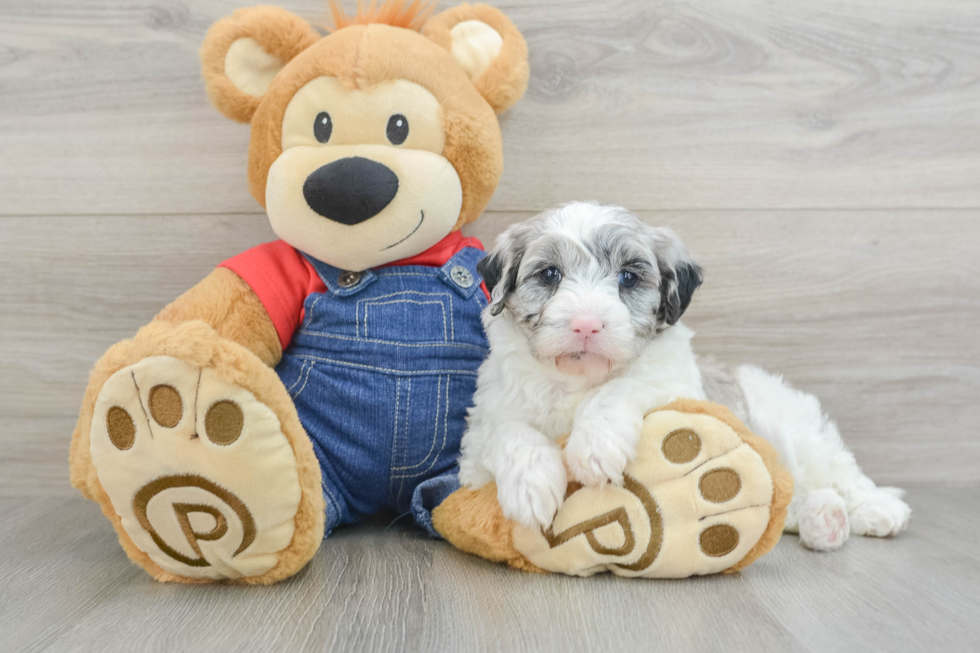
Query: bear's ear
[488,47]
[243,53]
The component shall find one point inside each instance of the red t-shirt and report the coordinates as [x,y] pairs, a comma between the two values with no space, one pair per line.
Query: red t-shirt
[283,278]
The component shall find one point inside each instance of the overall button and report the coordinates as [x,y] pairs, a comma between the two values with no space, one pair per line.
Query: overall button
[348,279]
[461,276]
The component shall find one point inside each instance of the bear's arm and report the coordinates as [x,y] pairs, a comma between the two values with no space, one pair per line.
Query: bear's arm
[233,309]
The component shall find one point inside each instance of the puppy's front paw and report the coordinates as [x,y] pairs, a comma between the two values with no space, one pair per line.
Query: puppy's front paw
[532,487]
[600,447]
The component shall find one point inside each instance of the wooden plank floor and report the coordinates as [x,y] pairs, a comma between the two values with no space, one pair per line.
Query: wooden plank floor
[378,588]
[821,157]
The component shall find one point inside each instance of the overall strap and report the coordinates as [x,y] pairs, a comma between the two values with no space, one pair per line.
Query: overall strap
[460,273]
[341,282]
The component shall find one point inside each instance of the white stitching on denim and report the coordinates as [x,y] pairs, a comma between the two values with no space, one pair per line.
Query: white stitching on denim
[405,292]
[408,419]
[420,274]
[452,323]
[300,391]
[373,300]
[408,406]
[394,430]
[309,313]
[406,274]
[392,342]
[445,423]
[383,369]
[445,429]
[333,500]
[299,376]
[445,436]
[435,434]
[445,331]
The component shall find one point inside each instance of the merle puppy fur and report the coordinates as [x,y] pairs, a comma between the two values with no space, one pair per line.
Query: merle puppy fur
[585,336]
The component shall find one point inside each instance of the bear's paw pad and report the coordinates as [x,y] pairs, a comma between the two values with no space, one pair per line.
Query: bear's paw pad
[197,469]
[695,500]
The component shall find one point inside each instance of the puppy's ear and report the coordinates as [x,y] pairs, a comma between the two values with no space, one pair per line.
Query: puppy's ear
[680,276]
[488,47]
[499,268]
[242,54]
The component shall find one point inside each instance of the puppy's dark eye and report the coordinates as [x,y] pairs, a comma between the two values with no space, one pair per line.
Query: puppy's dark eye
[628,279]
[397,129]
[551,276]
[322,127]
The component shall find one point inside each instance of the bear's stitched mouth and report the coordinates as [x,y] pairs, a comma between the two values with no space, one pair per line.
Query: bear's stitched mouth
[421,220]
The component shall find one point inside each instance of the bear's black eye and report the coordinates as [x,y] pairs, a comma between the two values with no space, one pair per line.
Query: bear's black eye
[628,279]
[551,276]
[397,129]
[322,127]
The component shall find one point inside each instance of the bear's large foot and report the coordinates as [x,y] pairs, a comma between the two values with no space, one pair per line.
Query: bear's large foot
[196,471]
[703,495]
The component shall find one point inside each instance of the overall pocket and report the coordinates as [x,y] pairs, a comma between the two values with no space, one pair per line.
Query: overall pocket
[407,316]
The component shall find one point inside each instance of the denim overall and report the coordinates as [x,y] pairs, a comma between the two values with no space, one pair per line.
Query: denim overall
[382,371]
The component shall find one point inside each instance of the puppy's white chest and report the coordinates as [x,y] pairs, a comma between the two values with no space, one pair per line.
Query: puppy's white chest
[558,413]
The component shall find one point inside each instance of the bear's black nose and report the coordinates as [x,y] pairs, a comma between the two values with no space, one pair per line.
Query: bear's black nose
[351,190]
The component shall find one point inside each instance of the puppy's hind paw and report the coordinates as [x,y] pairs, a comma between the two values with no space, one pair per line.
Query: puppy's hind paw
[881,514]
[823,521]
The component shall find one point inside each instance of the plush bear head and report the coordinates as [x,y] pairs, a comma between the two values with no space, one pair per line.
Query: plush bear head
[375,142]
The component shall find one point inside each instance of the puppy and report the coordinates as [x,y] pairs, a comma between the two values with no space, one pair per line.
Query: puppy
[585,339]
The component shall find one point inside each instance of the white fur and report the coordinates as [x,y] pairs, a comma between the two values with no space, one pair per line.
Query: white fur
[810,445]
[523,405]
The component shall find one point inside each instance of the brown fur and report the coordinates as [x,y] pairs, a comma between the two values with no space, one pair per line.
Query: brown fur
[198,344]
[362,56]
[220,323]
[278,31]
[504,82]
[230,307]
[471,520]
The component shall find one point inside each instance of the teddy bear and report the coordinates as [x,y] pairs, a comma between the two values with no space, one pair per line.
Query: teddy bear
[318,379]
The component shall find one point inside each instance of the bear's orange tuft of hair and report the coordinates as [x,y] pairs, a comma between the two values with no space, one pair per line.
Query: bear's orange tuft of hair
[397,13]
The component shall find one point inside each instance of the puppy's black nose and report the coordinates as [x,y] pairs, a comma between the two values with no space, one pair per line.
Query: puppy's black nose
[351,190]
